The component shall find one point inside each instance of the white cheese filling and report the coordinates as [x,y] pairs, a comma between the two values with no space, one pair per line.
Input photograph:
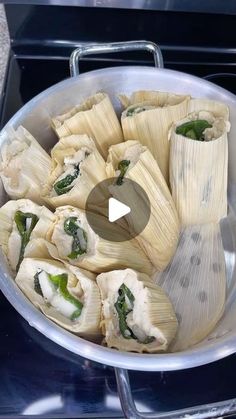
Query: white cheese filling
[53,297]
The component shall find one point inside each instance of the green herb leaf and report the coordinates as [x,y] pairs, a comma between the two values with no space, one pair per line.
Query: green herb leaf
[63,186]
[37,286]
[25,230]
[123,167]
[79,244]
[194,129]
[60,282]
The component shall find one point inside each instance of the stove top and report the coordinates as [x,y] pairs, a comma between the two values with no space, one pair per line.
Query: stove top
[37,376]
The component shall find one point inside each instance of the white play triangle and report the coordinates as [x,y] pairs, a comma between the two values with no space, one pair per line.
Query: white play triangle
[116,209]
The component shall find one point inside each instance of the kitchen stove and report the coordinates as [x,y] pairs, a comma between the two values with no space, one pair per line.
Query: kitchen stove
[37,376]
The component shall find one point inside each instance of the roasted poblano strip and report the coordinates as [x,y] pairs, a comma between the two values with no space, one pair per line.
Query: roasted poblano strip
[64,185]
[136,314]
[124,305]
[59,283]
[25,222]
[194,129]
[122,167]
[79,245]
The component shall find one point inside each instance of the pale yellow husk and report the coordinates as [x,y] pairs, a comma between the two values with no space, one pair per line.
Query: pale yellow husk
[151,126]
[24,165]
[160,236]
[102,255]
[92,171]
[152,312]
[195,282]
[95,117]
[198,173]
[81,284]
[10,240]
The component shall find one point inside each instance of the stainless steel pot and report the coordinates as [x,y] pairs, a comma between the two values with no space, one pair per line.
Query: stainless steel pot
[36,115]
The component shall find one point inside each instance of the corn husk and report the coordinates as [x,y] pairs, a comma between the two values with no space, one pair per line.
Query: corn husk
[95,117]
[10,240]
[153,313]
[195,282]
[101,255]
[160,236]
[81,284]
[92,172]
[151,127]
[24,165]
[198,171]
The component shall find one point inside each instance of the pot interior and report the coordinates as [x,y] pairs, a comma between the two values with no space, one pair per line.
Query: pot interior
[36,116]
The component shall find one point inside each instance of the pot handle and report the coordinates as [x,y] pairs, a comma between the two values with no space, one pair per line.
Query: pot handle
[205,411]
[88,49]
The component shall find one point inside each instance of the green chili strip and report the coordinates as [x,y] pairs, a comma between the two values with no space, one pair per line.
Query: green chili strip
[123,309]
[79,244]
[194,129]
[37,286]
[136,109]
[24,231]
[60,283]
[123,167]
[63,186]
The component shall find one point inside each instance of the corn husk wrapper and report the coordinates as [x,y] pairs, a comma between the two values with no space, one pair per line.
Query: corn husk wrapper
[92,172]
[101,255]
[10,240]
[152,313]
[160,236]
[195,282]
[151,126]
[95,117]
[81,284]
[24,165]
[198,173]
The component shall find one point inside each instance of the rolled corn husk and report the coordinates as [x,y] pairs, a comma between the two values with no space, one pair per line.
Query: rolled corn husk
[160,236]
[151,126]
[24,165]
[33,280]
[97,255]
[151,316]
[198,169]
[10,238]
[195,282]
[95,117]
[68,154]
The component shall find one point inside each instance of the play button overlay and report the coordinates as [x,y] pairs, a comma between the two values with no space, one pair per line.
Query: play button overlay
[116,210]
[125,209]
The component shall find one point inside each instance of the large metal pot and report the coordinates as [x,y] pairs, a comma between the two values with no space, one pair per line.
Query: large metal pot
[35,116]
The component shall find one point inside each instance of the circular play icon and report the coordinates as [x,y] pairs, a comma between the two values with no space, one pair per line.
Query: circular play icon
[124,209]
